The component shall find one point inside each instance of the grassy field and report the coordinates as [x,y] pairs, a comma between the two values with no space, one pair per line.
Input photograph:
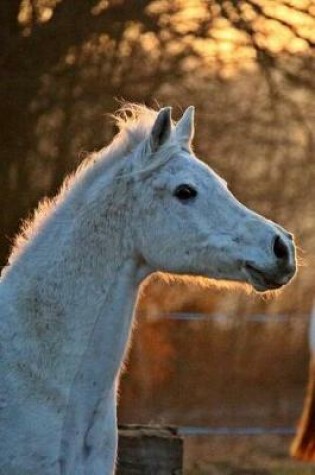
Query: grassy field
[245,455]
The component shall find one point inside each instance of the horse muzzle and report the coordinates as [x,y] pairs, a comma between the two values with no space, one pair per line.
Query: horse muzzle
[278,273]
[263,280]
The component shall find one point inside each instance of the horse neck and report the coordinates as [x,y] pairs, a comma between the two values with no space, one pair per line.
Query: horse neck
[105,295]
[76,287]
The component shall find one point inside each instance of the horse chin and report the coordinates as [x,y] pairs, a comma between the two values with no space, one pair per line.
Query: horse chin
[260,283]
[263,289]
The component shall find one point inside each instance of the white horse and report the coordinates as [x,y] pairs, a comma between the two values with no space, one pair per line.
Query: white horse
[143,204]
[303,446]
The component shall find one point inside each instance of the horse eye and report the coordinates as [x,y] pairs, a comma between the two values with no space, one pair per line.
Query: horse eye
[185,192]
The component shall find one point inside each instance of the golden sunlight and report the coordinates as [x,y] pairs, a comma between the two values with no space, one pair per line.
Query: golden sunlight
[229,34]
[226,35]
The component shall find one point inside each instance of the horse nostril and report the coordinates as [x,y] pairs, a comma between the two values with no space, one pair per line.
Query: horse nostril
[280,249]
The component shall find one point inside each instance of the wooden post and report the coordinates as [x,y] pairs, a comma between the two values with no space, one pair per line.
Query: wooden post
[149,450]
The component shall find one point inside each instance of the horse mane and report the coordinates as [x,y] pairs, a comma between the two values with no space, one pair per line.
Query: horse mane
[134,123]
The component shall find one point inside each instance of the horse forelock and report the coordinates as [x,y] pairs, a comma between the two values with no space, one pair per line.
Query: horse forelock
[135,123]
[135,119]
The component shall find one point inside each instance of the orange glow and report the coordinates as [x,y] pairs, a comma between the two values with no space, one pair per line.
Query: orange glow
[212,31]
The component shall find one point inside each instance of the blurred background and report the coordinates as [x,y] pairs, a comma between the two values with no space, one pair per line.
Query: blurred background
[205,360]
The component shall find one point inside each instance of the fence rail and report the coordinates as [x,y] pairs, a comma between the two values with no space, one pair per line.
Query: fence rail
[221,317]
[185,431]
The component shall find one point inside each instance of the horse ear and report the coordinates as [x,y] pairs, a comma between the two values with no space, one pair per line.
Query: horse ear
[185,128]
[161,129]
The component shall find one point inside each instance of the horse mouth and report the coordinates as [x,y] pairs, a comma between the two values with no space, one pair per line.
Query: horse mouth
[261,281]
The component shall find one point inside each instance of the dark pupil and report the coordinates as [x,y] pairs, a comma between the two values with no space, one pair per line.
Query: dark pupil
[185,192]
